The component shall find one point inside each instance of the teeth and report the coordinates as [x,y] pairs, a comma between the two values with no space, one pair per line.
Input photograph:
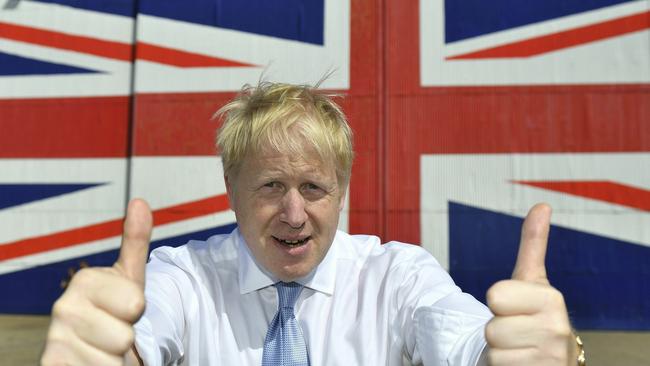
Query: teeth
[292,242]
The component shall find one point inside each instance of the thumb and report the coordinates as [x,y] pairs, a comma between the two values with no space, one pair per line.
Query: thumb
[532,247]
[135,241]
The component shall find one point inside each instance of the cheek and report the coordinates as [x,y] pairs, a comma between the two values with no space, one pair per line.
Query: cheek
[261,214]
[326,214]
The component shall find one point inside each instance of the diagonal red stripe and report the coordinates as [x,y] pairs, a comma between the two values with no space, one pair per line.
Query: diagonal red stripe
[565,39]
[170,56]
[111,49]
[607,191]
[93,46]
[109,229]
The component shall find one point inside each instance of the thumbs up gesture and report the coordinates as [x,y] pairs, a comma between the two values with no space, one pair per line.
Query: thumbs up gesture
[531,325]
[92,322]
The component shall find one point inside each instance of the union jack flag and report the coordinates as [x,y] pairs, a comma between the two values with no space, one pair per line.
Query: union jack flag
[539,101]
[465,114]
[98,105]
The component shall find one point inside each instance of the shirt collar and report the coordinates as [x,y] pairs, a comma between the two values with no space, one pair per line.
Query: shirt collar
[253,276]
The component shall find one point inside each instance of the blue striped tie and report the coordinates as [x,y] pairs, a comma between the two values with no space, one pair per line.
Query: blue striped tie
[284,344]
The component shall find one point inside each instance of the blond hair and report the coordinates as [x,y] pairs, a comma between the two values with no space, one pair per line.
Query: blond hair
[284,117]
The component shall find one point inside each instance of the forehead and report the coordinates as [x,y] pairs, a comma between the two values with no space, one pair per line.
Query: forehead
[268,161]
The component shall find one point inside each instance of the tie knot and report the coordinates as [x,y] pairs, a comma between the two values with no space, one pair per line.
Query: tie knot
[288,293]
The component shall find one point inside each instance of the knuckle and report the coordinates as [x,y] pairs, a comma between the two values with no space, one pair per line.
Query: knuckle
[490,333]
[565,332]
[63,309]
[553,301]
[136,305]
[555,297]
[56,336]
[85,277]
[127,340]
[494,293]
[489,295]
[560,331]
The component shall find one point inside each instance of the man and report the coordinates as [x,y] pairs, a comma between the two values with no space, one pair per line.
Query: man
[286,288]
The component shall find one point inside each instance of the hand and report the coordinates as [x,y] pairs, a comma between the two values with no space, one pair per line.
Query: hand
[92,322]
[531,325]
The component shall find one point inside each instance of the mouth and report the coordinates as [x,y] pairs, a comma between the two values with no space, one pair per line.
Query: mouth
[291,243]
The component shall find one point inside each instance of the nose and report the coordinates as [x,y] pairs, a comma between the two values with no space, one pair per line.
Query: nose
[293,209]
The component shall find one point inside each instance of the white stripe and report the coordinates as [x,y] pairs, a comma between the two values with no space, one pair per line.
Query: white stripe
[58,18]
[62,86]
[543,28]
[95,247]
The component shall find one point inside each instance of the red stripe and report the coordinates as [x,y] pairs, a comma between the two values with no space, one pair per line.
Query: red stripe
[110,49]
[192,209]
[607,191]
[109,229]
[565,39]
[93,46]
[93,127]
[162,120]
[170,56]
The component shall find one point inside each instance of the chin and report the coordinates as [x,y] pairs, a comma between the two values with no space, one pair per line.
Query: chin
[292,274]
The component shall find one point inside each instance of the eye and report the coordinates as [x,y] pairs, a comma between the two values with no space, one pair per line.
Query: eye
[313,191]
[272,185]
[311,187]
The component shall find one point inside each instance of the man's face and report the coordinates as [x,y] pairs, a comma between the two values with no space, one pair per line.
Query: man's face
[287,209]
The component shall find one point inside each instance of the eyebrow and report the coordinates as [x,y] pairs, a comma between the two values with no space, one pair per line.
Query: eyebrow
[309,175]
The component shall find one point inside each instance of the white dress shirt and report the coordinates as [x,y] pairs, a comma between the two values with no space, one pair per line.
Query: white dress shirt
[210,303]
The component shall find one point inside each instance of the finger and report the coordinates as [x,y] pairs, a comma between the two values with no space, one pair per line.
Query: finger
[512,297]
[89,355]
[512,357]
[103,331]
[65,348]
[106,289]
[135,241]
[532,247]
[518,331]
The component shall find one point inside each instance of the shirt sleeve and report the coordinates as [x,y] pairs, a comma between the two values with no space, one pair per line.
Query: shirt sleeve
[441,325]
[445,336]
[159,332]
